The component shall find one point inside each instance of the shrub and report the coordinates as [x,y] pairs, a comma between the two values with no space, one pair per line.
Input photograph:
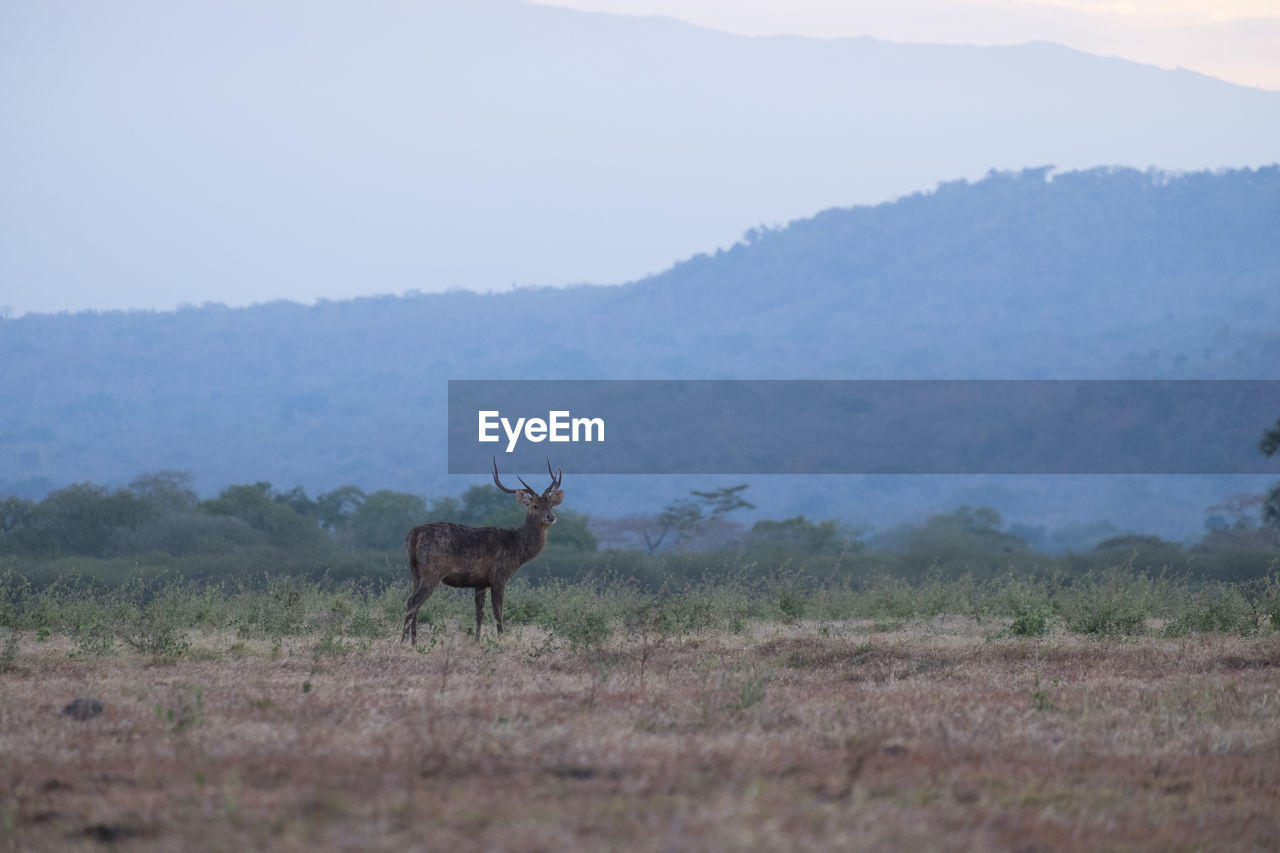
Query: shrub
[1116,605]
[1033,621]
[1217,608]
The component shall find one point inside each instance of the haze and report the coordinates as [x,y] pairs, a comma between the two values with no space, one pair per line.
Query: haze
[1235,40]
[236,152]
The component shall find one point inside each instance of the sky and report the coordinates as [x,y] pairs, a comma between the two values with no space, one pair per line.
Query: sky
[162,154]
[1235,40]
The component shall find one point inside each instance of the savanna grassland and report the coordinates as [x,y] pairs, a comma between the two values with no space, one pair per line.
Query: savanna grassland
[766,719]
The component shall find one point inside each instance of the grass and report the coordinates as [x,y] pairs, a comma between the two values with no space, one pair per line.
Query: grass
[1117,711]
[785,734]
[146,612]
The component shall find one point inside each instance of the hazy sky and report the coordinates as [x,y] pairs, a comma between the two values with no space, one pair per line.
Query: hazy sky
[156,154]
[1236,40]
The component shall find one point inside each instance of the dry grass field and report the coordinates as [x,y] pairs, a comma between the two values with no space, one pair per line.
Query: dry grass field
[810,736]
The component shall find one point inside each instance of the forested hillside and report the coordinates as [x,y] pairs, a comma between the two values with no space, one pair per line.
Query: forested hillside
[1098,274]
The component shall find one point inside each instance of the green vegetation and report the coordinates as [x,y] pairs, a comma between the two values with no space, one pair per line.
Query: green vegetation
[155,617]
[143,566]
[157,528]
[1269,444]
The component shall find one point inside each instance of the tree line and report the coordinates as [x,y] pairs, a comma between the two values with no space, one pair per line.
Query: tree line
[158,520]
[161,512]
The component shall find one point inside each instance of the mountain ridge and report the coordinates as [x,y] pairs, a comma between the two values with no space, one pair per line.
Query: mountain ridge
[1108,273]
[305,150]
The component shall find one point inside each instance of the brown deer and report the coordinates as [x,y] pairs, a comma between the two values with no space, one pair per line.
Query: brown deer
[479,557]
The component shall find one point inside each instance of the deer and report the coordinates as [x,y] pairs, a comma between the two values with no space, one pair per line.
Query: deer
[483,558]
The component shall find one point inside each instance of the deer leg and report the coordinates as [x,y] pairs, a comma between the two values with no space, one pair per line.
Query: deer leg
[497,606]
[479,609]
[421,592]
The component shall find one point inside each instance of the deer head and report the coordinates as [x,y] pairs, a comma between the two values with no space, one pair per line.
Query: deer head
[540,505]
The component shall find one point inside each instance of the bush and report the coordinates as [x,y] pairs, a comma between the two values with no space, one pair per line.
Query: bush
[1214,609]
[1117,605]
[1033,621]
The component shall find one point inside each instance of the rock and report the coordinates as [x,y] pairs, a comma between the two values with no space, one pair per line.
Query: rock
[83,709]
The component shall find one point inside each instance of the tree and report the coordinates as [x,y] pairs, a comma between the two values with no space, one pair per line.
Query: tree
[445,509]
[484,505]
[257,506]
[15,513]
[81,518]
[967,533]
[802,535]
[687,519]
[981,518]
[571,532]
[296,499]
[1270,445]
[1143,552]
[385,518]
[336,509]
[1236,512]
[170,491]
[721,502]
[18,534]
[682,517]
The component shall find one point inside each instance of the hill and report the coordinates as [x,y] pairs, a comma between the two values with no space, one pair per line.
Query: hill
[1108,273]
[157,154]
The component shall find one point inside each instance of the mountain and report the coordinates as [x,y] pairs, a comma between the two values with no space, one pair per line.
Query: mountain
[235,151]
[1106,273]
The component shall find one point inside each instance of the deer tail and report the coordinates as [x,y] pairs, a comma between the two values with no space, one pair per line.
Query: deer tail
[411,543]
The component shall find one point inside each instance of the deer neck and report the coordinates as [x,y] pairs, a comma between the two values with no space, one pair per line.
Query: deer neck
[533,535]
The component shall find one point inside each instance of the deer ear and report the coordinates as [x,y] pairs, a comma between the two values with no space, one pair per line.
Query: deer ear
[524,496]
[556,496]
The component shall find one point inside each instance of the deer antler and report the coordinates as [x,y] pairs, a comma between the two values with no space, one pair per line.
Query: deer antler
[498,482]
[555,480]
